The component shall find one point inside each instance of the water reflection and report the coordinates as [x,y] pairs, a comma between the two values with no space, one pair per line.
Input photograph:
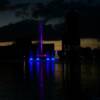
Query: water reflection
[55,69]
[48,69]
[58,72]
[45,78]
[40,74]
[31,70]
[89,79]
[36,68]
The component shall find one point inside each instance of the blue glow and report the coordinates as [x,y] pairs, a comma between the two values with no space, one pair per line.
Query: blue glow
[31,59]
[31,70]
[48,59]
[30,56]
[53,59]
[30,66]
[47,68]
[37,59]
[53,69]
[37,67]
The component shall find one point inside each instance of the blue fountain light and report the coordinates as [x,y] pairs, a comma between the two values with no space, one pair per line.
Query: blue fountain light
[47,59]
[31,59]
[37,59]
[53,59]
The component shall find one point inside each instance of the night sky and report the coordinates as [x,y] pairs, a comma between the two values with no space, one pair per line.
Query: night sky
[8,17]
[23,1]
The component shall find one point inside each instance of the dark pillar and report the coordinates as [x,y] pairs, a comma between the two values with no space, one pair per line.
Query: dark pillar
[72,44]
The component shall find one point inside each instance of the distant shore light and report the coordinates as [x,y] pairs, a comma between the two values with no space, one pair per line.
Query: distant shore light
[6,43]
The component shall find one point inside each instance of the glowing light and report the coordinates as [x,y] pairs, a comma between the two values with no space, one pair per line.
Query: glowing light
[37,59]
[30,56]
[31,59]
[48,59]
[52,59]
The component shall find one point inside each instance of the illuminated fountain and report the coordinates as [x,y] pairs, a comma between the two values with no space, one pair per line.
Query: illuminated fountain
[42,55]
[40,52]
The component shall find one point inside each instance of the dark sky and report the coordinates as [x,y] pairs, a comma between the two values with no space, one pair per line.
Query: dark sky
[46,1]
[21,1]
[7,17]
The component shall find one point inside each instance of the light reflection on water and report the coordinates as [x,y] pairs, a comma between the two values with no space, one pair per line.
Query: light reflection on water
[49,77]
[50,68]
[56,68]
[47,69]
[90,79]
[46,80]
[31,70]
[58,72]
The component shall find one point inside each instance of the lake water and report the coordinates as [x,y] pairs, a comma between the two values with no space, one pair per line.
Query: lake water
[37,80]
[45,80]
